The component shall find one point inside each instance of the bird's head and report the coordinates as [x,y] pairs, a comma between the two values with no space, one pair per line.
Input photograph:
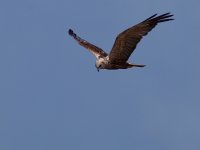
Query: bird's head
[99,64]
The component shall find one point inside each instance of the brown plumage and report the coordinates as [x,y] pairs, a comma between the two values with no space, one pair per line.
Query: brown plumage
[92,48]
[124,45]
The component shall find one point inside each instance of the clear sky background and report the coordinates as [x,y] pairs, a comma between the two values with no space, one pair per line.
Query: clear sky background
[53,98]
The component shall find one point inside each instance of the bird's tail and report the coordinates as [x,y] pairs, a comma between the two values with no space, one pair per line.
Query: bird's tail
[136,65]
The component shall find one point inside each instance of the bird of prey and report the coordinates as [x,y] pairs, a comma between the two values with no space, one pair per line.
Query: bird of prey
[124,45]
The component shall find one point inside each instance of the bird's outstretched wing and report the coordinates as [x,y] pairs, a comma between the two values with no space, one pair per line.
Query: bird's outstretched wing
[96,51]
[126,41]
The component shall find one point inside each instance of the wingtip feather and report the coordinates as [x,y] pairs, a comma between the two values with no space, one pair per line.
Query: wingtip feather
[70,32]
[161,18]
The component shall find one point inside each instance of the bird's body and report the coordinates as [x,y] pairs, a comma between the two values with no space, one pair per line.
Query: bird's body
[124,45]
[105,63]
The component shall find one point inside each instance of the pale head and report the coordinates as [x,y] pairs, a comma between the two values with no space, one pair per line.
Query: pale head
[100,64]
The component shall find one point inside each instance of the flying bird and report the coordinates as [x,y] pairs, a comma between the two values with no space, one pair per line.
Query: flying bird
[125,44]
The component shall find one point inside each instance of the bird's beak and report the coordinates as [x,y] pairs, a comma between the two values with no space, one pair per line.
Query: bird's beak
[97,67]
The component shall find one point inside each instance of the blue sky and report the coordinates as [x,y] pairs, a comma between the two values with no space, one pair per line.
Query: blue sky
[52,97]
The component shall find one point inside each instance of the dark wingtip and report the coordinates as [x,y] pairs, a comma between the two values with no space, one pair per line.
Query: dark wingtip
[70,32]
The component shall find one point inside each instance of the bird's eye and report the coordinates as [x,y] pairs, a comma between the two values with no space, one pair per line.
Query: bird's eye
[99,66]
